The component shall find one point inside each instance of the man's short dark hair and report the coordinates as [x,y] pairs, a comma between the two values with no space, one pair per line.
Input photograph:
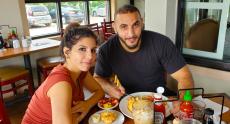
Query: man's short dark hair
[127,9]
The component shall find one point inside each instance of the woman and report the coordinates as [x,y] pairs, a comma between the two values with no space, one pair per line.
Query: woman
[60,98]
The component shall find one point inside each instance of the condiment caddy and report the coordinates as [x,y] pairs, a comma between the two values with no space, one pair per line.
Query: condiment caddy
[187,99]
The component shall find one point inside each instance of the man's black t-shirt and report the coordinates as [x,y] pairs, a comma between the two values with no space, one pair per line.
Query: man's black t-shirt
[143,70]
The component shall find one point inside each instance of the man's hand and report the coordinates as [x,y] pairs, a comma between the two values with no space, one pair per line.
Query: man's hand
[176,109]
[115,91]
[110,87]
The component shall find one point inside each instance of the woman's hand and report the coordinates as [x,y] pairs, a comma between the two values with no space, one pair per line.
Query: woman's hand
[81,108]
[75,118]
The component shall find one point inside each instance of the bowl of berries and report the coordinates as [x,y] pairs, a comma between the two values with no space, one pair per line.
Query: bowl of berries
[108,103]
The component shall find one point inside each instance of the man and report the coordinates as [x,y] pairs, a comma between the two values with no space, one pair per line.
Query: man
[139,58]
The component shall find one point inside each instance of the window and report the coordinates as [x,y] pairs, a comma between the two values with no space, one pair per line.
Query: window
[52,15]
[99,10]
[73,12]
[39,18]
[203,32]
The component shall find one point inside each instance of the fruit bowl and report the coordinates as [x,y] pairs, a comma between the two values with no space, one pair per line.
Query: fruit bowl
[108,103]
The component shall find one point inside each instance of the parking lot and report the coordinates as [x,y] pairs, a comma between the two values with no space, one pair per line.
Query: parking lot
[53,28]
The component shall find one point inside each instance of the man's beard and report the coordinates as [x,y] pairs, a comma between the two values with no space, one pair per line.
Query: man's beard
[130,47]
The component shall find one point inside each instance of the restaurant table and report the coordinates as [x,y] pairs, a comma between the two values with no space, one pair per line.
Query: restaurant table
[226,115]
[36,46]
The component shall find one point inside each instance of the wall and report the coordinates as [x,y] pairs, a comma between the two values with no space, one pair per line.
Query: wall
[120,3]
[161,17]
[140,4]
[171,19]
[6,8]
[212,80]
[155,15]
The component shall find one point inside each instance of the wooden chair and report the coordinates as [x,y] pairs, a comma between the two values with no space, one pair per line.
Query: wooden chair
[45,65]
[10,76]
[94,27]
[203,35]
[107,29]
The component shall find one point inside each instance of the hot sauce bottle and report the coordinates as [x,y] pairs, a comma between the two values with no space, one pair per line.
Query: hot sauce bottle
[186,107]
[159,107]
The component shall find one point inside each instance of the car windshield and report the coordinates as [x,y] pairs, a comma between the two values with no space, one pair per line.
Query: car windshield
[38,9]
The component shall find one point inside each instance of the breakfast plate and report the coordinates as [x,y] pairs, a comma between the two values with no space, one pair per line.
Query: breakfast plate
[119,117]
[108,103]
[123,105]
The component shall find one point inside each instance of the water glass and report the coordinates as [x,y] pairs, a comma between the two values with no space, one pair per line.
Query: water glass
[198,109]
[143,112]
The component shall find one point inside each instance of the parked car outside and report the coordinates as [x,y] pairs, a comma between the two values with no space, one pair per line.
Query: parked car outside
[69,14]
[38,15]
[99,12]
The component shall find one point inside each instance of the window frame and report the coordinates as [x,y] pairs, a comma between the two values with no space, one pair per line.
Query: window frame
[190,59]
[59,17]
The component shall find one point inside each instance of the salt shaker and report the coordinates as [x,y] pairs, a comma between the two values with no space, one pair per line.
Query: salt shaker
[24,42]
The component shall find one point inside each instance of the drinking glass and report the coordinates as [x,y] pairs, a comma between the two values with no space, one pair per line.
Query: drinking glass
[143,112]
[198,109]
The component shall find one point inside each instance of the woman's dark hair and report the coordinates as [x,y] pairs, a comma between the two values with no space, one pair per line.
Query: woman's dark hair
[73,33]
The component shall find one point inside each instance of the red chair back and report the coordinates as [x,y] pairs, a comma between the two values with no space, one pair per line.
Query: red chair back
[107,29]
[94,27]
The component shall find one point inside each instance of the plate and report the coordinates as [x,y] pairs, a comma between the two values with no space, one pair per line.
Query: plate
[124,101]
[120,117]
[108,100]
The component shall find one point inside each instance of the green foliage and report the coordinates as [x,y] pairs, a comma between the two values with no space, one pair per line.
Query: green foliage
[93,5]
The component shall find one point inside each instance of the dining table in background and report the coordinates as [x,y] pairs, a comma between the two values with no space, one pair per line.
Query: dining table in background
[225,116]
[36,46]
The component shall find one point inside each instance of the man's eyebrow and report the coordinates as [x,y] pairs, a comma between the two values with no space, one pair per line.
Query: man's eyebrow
[123,24]
[138,21]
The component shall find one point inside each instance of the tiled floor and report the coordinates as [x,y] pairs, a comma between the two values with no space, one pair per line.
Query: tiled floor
[16,111]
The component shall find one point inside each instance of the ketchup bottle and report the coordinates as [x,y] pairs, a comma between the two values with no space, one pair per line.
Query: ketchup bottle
[186,107]
[159,107]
